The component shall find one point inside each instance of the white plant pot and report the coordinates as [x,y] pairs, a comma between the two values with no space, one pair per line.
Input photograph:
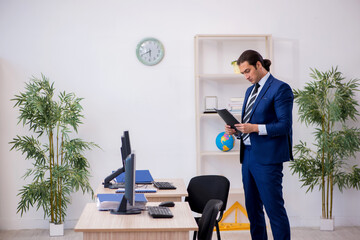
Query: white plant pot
[56,229]
[327,224]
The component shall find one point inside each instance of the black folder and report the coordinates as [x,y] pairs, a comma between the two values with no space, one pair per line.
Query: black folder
[228,117]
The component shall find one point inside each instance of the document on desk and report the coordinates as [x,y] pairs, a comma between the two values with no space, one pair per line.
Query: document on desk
[141,188]
[109,201]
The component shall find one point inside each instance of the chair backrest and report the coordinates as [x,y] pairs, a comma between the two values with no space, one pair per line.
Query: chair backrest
[203,188]
[208,219]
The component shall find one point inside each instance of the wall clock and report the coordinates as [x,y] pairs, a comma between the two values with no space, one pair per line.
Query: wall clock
[150,51]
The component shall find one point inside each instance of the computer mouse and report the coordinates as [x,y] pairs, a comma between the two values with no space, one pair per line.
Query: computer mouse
[167,204]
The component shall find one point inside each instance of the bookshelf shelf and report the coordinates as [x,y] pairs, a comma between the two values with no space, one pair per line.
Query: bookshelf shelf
[219,153]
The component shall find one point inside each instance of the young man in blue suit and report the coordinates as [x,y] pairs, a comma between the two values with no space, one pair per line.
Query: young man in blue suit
[265,143]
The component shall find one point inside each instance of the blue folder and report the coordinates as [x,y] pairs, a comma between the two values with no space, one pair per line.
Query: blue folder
[109,201]
[141,177]
[113,197]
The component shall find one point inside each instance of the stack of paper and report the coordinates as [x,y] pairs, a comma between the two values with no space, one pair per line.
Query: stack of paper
[141,188]
[109,201]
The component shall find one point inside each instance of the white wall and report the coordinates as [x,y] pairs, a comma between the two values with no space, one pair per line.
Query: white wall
[88,47]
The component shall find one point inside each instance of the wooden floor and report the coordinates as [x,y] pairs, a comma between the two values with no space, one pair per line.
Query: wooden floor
[340,233]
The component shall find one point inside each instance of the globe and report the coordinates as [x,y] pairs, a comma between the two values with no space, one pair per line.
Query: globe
[225,142]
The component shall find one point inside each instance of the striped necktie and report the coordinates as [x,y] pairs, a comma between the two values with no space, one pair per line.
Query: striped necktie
[248,109]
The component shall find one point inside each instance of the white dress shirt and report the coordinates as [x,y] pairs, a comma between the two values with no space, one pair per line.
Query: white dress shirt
[262,127]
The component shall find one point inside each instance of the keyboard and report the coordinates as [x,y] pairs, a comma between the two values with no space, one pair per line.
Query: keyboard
[117,185]
[159,212]
[164,185]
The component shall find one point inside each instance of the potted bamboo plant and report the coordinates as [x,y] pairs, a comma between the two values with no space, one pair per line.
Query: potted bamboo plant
[59,165]
[328,104]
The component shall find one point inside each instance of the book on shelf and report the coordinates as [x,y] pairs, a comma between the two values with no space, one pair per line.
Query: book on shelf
[235,105]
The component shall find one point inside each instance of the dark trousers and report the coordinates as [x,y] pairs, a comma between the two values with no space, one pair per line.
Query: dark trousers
[263,188]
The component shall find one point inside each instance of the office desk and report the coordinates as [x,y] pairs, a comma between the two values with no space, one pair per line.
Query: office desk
[161,195]
[101,225]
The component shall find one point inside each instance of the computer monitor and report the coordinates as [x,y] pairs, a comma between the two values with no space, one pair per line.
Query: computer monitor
[128,199]
[127,143]
[130,179]
[125,150]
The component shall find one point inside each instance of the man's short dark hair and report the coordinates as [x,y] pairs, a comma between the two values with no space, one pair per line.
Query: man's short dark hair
[252,57]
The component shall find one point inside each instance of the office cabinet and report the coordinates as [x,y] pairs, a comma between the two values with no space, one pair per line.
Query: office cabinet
[215,76]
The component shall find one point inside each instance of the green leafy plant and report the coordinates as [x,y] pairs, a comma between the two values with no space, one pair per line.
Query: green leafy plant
[328,103]
[59,164]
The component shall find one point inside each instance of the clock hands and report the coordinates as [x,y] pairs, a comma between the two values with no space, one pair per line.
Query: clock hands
[146,53]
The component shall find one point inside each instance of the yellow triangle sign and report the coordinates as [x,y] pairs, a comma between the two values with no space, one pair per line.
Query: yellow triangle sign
[236,207]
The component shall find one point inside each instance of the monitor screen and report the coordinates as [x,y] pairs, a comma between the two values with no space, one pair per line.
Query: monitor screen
[130,179]
[124,153]
[125,147]
[127,143]
[129,196]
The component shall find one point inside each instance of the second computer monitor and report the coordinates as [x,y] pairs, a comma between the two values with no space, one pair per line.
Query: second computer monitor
[129,196]
[127,142]
[125,147]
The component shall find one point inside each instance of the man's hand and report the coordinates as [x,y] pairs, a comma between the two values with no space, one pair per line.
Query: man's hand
[247,127]
[229,130]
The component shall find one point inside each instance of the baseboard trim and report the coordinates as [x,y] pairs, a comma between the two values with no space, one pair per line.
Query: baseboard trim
[18,224]
[315,222]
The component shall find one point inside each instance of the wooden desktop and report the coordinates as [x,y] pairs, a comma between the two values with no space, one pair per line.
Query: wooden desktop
[101,225]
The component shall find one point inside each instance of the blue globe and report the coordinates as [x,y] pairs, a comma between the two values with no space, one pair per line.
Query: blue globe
[225,142]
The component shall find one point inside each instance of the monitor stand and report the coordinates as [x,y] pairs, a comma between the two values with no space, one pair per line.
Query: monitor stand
[122,210]
[107,180]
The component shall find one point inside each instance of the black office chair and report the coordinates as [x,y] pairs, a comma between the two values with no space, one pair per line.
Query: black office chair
[208,219]
[203,188]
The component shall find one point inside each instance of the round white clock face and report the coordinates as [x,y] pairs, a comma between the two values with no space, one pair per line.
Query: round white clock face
[150,51]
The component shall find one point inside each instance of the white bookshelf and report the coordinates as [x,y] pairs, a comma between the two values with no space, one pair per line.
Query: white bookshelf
[214,76]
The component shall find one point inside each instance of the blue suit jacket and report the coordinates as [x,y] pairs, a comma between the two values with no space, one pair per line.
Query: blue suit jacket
[273,107]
